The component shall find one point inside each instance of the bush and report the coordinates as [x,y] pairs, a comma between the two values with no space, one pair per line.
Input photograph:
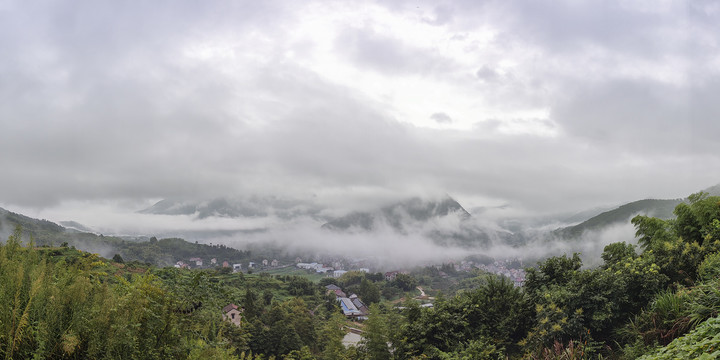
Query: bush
[710,267]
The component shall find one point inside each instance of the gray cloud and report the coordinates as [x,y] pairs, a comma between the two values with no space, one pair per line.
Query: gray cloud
[137,101]
[441,118]
[486,73]
[388,55]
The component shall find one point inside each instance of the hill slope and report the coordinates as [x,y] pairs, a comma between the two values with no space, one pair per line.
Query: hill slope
[662,209]
[164,252]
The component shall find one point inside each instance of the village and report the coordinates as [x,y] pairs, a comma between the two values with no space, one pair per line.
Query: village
[511,269]
[350,304]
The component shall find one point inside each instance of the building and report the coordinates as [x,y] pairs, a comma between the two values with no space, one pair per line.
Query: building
[338,273]
[237,267]
[353,308]
[265,262]
[274,263]
[391,275]
[232,313]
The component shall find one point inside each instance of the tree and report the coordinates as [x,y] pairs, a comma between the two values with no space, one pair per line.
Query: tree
[251,304]
[331,336]
[405,282]
[369,293]
[687,225]
[118,259]
[650,230]
[617,252]
[557,270]
[374,344]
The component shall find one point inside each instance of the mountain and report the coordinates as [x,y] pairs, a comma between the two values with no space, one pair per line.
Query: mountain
[163,252]
[399,215]
[444,221]
[74,225]
[660,208]
[650,207]
[251,207]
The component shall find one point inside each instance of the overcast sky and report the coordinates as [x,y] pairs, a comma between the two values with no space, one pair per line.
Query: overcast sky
[541,105]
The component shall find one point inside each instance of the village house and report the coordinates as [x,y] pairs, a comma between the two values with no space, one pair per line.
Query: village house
[335,290]
[232,313]
[274,263]
[391,275]
[213,261]
[353,308]
[237,268]
[265,262]
[198,261]
[226,264]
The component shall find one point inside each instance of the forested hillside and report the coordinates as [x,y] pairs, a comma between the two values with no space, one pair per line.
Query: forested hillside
[657,300]
[163,252]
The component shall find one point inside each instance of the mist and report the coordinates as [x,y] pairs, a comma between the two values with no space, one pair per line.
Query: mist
[419,243]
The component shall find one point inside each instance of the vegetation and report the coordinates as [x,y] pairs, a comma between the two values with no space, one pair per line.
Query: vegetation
[660,300]
[163,252]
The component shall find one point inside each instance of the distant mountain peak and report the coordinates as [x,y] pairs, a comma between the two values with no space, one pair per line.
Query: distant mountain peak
[398,215]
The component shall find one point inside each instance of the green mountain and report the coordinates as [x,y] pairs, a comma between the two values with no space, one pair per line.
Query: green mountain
[163,252]
[659,208]
[662,209]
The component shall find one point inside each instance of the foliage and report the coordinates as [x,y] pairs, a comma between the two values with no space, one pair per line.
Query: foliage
[497,312]
[374,345]
[701,343]
[709,269]
[405,282]
[475,349]
[368,292]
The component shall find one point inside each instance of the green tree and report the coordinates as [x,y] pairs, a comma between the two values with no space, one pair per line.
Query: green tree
[617,252]
[557,270]
[369,293]
[331,336]
[374,344]
[405,282]
[651,230]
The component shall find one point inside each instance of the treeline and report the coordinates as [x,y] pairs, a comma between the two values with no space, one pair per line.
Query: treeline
[165,252]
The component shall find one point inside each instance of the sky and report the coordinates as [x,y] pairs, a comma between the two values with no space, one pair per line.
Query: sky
[543,106]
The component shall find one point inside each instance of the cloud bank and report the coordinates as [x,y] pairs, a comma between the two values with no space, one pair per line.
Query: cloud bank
[546,106]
